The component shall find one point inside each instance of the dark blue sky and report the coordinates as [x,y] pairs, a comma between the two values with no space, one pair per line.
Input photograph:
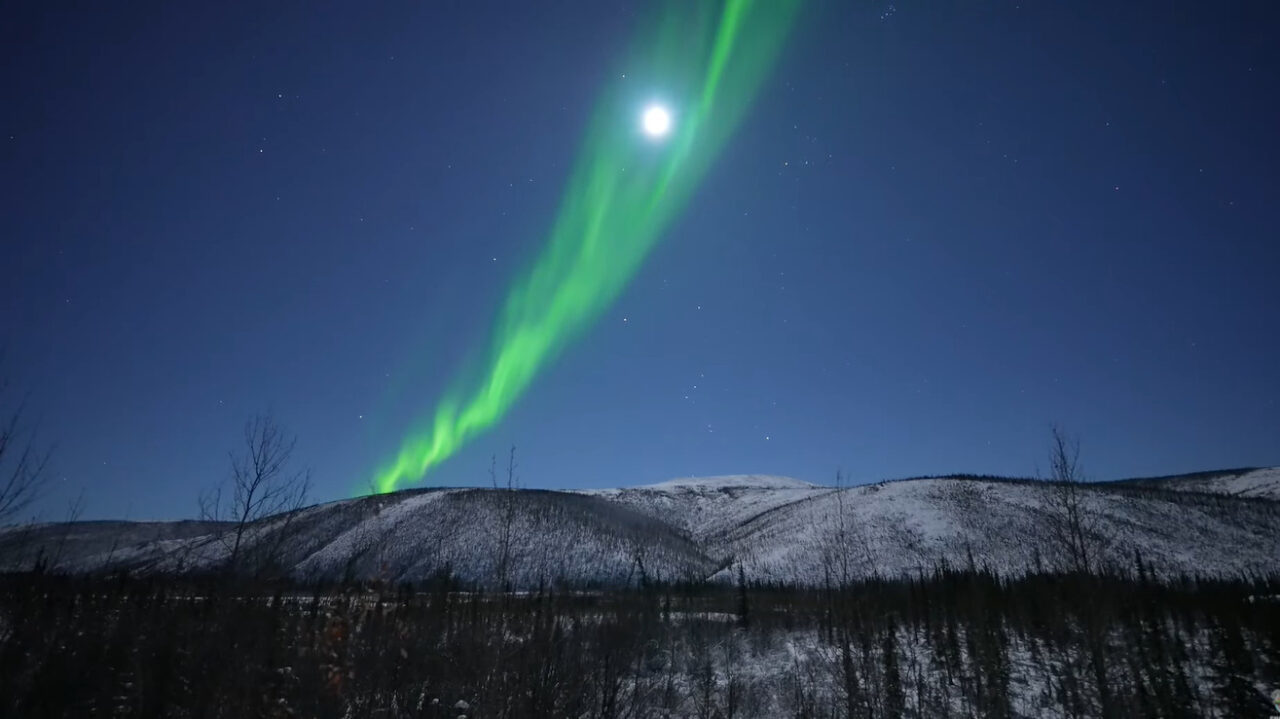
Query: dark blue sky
[943,227]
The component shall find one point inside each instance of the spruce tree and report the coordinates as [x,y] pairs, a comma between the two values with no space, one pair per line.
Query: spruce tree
[894,700]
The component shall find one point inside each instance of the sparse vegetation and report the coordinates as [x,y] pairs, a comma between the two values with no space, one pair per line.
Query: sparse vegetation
[949,644]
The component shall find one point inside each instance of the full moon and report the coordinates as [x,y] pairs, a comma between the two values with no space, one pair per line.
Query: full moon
[656,121]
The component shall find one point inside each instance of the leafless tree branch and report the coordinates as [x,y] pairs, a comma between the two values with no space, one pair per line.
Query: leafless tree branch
[502,559]
[1073,526]
[23,465]
[261,485]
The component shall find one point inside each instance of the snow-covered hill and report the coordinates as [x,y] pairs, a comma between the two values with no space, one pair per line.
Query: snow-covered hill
[1237,482]
[707,507]
[405,536]
[907,526]
[772,528]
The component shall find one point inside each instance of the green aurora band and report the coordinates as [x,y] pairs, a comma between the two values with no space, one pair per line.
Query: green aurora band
[624,190]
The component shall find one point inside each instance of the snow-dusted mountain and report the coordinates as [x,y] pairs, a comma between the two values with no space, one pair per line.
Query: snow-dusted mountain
[771,528]
[707,507]
[410,535]
[1237,482]
[903,527]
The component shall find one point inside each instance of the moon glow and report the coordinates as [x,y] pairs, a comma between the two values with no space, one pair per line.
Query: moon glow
[656,121]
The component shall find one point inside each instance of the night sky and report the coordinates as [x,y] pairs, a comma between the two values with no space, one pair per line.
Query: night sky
[941,227]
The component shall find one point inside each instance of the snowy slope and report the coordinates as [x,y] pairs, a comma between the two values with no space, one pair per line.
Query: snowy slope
[908,526]
[707,507]
[86,545]
[555,536]
[1237,482]
[406,536]
[773,528]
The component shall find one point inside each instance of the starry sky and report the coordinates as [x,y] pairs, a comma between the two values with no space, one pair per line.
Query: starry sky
[940,228]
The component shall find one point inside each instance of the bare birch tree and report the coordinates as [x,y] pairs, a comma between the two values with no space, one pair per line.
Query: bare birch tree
[261,485]
[506,523]
[850,537]
[1074,528]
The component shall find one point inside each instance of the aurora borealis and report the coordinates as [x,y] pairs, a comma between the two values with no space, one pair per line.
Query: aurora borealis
[710,59]
[891,238]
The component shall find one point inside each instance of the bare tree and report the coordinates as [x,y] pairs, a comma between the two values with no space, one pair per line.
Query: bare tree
[261,485]
[1075,529]
[75,509]
[502,552]
[23,465]
[850,536]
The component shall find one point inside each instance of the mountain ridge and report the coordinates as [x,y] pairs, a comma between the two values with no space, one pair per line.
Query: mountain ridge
[770,528]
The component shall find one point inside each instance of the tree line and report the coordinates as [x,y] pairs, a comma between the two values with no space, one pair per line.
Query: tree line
[957,642]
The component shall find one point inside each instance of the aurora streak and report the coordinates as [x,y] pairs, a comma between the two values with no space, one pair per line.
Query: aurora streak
[707,59]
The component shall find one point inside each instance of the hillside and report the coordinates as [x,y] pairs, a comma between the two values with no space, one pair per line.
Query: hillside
[1264,483]
[775,529]
[406,536]
[707,507]
[907,526]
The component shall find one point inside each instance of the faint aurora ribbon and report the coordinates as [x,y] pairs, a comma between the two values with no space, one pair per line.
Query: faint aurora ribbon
[622,193]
